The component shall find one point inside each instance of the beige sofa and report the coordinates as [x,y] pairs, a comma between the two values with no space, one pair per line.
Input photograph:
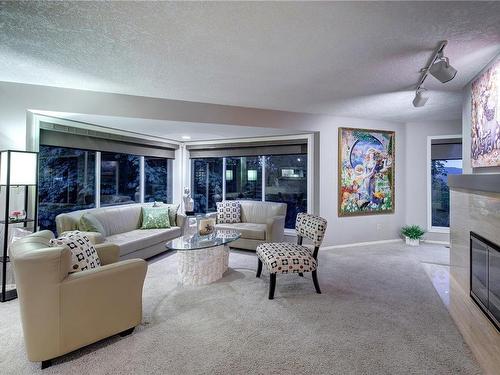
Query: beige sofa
[260,222]
[122,224]
[61,312]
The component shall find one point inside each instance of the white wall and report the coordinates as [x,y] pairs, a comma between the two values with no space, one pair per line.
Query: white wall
[16,99]
[416,170]
[362,228]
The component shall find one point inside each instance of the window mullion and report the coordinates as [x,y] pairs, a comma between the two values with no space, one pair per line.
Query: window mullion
[142,181]
[224,179]
[98,179]
[263,174]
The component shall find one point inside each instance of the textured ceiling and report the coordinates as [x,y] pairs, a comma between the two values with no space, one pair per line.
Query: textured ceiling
[357,59]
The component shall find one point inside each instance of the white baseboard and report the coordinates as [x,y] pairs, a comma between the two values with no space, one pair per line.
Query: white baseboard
[355,244]
[445,243]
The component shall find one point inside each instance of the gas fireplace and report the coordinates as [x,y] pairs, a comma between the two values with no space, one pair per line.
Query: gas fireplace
[485,276]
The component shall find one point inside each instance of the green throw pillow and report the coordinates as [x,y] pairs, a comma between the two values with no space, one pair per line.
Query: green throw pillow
[155,217]
[90,223]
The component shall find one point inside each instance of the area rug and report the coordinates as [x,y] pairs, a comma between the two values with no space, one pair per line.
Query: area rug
[378,314]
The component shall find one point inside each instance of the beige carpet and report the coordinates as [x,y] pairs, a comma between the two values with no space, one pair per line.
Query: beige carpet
[378,314]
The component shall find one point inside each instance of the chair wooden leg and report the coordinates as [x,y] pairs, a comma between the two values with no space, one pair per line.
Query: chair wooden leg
[127,332]
[46,364]
[301,274]
[315,281]
[272,285]
[259,267]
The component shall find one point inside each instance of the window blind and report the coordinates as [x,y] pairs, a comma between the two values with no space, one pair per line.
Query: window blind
[73,137]
[446,149]
[283,147]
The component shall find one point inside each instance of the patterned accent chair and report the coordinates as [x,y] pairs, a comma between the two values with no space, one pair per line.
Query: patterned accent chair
[284,257]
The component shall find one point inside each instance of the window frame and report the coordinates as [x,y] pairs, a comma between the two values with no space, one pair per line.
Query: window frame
[311,171]
[142,179]
[430,227]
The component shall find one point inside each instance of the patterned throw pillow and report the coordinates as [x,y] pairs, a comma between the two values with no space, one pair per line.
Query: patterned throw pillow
[228,212]
[155,218]
[83,253]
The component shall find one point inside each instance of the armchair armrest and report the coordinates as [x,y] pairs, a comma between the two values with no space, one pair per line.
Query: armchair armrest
[275,231]
[182,222]
[95,237]
[108,299]
[108,253]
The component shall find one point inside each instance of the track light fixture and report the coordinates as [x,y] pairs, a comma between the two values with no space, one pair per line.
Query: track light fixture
[439,67]
[421,97]
[442,70]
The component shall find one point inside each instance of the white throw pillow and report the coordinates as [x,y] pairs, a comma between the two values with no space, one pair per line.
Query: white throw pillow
[83,253]
[228,212]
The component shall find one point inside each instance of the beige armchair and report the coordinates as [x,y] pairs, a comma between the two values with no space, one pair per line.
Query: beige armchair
[260,222]
[62,312]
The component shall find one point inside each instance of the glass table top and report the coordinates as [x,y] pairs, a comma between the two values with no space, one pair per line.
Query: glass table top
[196,242]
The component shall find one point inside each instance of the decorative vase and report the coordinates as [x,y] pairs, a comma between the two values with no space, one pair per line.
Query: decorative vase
[412,242]
[188,201]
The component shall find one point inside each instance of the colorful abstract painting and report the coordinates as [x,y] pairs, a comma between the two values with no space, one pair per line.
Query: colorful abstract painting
[485,127]
[366,172]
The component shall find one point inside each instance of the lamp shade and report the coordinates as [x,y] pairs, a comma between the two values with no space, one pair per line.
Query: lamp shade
[20,166]
[252,175]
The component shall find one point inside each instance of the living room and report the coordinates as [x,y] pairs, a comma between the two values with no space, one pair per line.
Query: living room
[196,145]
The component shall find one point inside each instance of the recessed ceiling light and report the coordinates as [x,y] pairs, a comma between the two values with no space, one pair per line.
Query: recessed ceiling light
[186,137]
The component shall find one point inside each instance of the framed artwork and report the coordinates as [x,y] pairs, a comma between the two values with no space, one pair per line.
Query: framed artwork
[365,172]
[485,118]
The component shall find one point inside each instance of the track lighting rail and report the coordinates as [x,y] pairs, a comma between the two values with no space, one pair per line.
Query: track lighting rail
[425,71]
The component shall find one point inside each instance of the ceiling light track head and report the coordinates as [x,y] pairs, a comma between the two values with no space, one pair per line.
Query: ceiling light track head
[439,67]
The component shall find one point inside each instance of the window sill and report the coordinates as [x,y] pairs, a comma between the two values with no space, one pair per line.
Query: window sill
[439,230]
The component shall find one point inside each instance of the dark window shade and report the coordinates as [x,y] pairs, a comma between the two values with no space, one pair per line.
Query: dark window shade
[285,147]
[446,151]
[64,136]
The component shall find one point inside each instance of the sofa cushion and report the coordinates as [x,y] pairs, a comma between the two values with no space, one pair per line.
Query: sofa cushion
[228,212]
[83,253]
[155,218]
[89,223]
[260,212]
[119,219]
[142,238]
[250,231]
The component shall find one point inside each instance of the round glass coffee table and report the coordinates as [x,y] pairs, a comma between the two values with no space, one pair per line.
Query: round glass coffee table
[202,259]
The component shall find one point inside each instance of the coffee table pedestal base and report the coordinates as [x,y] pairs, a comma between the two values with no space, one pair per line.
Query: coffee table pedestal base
[203,266]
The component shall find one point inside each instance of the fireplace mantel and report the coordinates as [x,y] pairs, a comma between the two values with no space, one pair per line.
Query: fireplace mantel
[488,182]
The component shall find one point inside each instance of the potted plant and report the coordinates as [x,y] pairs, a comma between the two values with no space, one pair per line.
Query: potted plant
[412,234]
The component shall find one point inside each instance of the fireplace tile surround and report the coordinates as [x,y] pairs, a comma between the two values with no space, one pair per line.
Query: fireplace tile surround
[474,207]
